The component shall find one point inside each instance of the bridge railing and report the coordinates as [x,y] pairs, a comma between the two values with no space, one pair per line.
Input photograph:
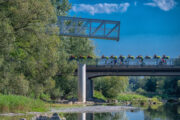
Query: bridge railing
[137,62]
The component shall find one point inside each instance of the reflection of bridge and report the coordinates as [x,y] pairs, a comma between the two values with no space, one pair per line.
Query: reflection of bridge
[118,115]
[89,71]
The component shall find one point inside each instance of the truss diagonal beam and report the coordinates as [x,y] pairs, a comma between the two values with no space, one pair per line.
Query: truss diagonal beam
[112,30]
[98,28]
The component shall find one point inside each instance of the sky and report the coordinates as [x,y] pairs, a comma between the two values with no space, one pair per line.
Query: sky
[147,27]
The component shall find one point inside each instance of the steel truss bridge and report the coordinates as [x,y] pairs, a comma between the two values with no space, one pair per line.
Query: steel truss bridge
[90,28]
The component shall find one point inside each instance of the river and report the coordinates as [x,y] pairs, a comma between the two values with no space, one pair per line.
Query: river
[165,112]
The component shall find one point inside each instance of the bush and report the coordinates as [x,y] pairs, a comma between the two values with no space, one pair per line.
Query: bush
[99,95]
[45,97]
[130,97]
[140,91]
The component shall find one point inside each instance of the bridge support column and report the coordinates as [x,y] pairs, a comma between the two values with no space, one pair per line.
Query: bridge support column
[82,116]
[82,83]
[89,89]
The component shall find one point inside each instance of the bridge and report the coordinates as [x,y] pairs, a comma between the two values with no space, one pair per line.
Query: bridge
[90,28]
[92,68]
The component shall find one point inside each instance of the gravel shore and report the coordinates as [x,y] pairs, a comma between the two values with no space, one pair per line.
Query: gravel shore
[93,109]
[86,109]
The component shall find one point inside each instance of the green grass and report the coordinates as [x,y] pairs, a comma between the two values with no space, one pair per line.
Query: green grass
[15,103]
[99,95]
[137,99]
[28,117]
[130,97]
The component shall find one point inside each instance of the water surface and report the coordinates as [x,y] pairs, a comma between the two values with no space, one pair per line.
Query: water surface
[166,112]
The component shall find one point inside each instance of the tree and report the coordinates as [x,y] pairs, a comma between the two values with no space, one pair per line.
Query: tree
[61,7]
[31,53]
[25,28]
[111,86]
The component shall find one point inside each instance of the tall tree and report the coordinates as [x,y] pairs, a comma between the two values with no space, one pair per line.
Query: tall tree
[33,54]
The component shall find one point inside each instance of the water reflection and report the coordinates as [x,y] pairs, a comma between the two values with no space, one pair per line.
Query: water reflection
[97,116]
[166,112]
[82,116]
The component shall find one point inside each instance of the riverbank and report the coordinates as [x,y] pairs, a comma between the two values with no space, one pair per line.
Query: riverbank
[128,99]
[161,112]
[87,109]
[136,99]
[21,104]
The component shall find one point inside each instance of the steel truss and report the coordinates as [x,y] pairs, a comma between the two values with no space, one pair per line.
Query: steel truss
[90,28]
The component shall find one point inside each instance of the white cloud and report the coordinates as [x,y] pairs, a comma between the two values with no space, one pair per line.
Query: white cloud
[135,3]
[151,4]
[101,8]
[165,5]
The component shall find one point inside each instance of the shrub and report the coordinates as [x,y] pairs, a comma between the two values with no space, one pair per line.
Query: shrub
[99,95]
[130,97]
[140,91]
[45,97]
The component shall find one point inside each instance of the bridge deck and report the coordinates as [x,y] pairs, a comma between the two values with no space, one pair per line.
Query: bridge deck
[135,70]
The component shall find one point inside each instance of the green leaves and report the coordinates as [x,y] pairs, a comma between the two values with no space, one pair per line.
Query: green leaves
[25,44]
[61,7]
[31,53]
[111,86]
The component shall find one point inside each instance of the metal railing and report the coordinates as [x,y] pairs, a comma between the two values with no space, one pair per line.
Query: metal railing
[129,62]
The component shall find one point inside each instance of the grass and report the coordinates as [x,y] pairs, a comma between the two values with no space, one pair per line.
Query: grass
[133,98]
[15,103]
[28,117]
[137,99]
[130,97]
[99,95]
[65,105]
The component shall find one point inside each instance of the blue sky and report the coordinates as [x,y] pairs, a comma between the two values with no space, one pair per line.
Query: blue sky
[147,26]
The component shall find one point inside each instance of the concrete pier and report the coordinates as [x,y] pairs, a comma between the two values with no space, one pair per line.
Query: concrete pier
[82,83]
[89,89]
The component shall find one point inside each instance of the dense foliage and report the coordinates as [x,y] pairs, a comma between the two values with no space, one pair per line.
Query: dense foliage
[31,53]
[111,86]
[152,86]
